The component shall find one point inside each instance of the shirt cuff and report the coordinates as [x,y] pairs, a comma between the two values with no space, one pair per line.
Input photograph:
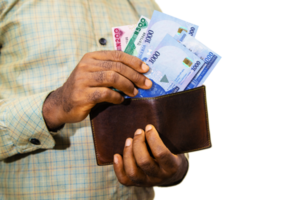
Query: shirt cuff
[187,174]
[24,129]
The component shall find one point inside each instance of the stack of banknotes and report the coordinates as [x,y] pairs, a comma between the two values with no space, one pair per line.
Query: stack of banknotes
[168,46]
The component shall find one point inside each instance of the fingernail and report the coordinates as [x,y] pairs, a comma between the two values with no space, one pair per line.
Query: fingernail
[148,83]
[115,159]
[138,132]
[128,142]
[145,67]
[148,127]
[135,91]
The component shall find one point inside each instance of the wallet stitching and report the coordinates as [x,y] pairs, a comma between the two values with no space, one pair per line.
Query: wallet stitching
[207,116]
[96,146]
[169,95]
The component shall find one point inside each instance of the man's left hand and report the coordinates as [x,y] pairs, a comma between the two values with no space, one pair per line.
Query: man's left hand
[138,168]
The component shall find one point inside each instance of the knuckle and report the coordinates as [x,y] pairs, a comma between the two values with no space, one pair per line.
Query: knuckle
[163,155]
[113,77]
[145,164]
[134,177]
[148,168]
[131,173]
[78,76]
[132,59]
[119,67]
[117,55]
[105,94]
[106,65]
[100,77]
[138,78]
[136,140]
[82,65]
[95,96]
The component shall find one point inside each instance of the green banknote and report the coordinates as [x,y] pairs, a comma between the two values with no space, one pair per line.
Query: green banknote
[135,43]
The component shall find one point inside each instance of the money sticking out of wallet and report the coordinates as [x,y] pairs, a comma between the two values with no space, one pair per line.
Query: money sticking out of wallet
[167,44]
[176,102]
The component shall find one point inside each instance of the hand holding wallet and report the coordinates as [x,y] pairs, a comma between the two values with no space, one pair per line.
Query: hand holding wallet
[180,118]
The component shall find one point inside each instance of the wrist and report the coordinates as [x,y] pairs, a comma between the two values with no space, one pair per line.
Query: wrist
[52,113]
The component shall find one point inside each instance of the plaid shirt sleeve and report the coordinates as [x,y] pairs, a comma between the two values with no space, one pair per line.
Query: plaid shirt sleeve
[21,120]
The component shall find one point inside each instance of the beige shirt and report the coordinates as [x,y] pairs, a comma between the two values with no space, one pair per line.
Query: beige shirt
[42,42]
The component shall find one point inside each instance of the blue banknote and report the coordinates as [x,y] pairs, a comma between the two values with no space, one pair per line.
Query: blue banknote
[209,57]
[160,25]
[172,67]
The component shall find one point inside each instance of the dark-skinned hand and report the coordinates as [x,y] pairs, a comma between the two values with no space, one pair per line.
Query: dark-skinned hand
[89,84]
[138,168]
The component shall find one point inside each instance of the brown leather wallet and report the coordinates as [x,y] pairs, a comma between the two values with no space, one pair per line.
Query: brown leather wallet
[181,120]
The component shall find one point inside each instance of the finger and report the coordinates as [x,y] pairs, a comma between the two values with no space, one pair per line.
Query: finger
[119,56]
[160,152]
[142,156]
[135,77]
[112,79]
[103,94]
[120,172]
[134,173]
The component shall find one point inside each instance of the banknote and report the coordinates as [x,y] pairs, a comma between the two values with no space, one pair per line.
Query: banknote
[135,43]
[121,36]
[160,25]
[172,67]
[209,57]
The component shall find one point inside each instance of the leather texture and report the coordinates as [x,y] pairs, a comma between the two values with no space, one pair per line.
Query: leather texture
[181,120]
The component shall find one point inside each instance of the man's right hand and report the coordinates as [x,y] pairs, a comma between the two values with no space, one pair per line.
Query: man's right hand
[89,84]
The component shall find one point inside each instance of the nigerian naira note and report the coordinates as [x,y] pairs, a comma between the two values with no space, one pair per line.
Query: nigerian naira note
[135,43]
[160,25]
[172,67]
[121,36]
[209,57]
